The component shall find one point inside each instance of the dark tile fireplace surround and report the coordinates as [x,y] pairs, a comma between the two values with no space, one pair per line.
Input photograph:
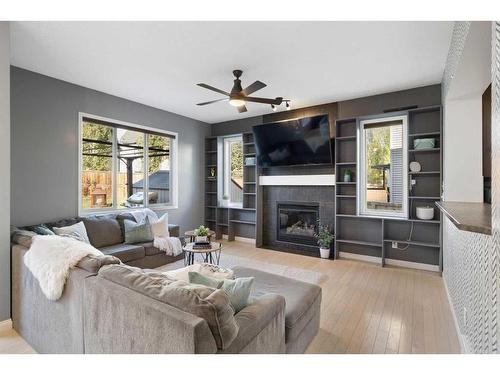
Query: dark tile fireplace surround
[289,214]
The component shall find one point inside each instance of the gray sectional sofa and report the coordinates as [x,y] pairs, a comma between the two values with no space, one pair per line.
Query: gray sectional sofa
[106,233]
[102,311]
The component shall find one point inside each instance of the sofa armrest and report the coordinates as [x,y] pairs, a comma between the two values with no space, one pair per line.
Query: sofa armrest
[174,230]
[120,320]
[261,326]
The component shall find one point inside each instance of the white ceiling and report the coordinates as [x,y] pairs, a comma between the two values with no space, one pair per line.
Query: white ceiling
[159,63]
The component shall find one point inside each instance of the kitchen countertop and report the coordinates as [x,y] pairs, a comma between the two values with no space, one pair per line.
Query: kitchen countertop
[468,216]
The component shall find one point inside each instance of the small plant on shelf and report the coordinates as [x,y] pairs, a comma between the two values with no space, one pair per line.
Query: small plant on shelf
[225,200]
[325,238]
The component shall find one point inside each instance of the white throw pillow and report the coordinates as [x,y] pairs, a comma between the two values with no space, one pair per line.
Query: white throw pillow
[70,230]
[160,227]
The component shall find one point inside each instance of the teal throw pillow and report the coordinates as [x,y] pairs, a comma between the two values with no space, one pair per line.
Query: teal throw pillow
[238,291]
[137,232]
[198,278]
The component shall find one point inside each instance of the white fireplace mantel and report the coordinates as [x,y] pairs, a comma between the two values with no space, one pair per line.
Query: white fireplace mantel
[298,180]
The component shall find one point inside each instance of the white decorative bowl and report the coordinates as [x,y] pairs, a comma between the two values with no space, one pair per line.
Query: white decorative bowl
[425,213]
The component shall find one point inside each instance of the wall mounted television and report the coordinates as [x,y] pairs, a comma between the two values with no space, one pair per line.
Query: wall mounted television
[304,141]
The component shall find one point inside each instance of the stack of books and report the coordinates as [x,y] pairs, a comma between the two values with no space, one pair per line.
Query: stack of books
[202,245]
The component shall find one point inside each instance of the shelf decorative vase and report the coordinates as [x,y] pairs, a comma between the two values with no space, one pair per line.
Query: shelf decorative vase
[348,176]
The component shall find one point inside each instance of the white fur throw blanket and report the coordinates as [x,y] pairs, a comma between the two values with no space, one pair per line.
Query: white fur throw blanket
[50,258]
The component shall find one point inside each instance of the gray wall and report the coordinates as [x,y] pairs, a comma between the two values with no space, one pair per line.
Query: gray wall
[5,171]
[369,105]
[45,147]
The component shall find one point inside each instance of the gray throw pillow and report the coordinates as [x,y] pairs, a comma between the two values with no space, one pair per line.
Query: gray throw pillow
[41,229]
[137,232]
[238,290]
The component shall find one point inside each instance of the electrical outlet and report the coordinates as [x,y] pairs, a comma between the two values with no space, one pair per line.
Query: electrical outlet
[394,245]
[413,182]
[465,316]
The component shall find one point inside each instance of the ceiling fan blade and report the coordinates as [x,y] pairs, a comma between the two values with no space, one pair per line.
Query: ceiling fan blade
[214,101]
[204,85]
[276,101]
[242,109]
[257,85]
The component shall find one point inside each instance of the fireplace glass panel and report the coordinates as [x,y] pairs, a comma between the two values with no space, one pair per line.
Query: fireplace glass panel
[297,223]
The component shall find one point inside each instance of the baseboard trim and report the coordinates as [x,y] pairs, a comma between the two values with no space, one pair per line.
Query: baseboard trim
[414,265]
[461,338]
[241,239]
[365,258]
[391,262]
[6,324]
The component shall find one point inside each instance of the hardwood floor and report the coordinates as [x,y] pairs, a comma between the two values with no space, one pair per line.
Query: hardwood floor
[365,308]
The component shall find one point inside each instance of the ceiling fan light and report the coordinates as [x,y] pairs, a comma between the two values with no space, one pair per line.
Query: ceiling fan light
[273,107]
[236,102]
[287,105]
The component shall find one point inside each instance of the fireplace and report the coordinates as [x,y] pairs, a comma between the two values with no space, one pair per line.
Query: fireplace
[297,222]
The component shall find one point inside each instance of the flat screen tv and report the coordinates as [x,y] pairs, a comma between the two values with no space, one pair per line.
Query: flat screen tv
[304,141]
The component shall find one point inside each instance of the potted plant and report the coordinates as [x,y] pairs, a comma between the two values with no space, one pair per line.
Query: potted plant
[348,175]
[324,237]
[225,200]
[201,233]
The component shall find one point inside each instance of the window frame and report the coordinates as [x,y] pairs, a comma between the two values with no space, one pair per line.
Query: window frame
[226,166]
[361,208]
[174,139]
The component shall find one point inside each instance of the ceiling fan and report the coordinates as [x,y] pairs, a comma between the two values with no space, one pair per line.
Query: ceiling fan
[238,96]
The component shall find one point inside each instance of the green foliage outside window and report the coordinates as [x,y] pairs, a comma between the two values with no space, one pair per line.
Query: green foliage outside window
[378,152]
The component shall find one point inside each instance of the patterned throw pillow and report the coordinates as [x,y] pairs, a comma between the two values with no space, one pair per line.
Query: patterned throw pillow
[137,232]
[41,229]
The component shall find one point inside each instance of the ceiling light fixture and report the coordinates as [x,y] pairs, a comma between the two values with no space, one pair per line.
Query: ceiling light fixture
[236,102]
[287,105]
[273,107]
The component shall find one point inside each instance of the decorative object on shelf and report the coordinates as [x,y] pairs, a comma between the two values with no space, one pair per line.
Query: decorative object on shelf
[325,238]
[212,172]
[424,143]
[250,160]
[348,175]
[415,166]
[425,213]
[225,200]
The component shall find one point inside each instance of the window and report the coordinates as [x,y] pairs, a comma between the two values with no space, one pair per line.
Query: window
[125,166]
[382,160]
[233,169]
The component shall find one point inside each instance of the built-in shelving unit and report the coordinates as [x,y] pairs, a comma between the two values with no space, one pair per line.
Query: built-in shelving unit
[233,221]
[374,237]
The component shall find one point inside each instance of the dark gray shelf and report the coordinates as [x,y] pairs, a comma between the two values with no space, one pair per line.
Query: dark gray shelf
[242,222]
[363,243]
[346,138]
[425,173]
[346,163]
[345,183]
[346,196]
[425,198]
[426,150]
[416,243]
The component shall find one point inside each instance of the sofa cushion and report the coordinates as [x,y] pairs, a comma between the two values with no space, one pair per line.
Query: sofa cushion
[103,230]
[63,222]
[92,263]
[124,252]
[76,231]
[210,304]
[300,297]
[150,249]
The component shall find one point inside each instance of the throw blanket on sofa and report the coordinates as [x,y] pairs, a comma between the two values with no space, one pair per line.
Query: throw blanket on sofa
[170,245]
[50,258]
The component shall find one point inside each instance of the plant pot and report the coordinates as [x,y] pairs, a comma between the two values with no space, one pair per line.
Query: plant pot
[324,252]
[225,202]
[347,178]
